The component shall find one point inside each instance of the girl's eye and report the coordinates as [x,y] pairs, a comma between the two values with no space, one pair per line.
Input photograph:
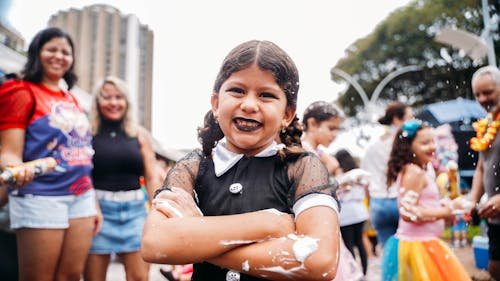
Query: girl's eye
[236,90]
[268,95]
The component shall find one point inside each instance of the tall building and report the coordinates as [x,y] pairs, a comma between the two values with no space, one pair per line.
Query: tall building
[11,43]
[108,42]
[11,49]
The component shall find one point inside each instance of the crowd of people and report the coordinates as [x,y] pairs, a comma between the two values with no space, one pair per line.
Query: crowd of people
[263,198]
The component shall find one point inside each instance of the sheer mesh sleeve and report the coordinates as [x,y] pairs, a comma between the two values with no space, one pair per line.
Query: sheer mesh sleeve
[309,175]
[183,173]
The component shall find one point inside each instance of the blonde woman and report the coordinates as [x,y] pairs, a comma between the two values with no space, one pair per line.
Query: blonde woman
[123,153]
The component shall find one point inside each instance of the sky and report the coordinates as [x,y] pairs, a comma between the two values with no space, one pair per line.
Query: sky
[192,38]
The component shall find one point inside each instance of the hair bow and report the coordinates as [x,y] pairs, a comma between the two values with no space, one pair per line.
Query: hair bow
[410,128]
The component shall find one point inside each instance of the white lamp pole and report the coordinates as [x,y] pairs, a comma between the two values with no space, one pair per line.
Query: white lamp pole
[369,104]
[487,33]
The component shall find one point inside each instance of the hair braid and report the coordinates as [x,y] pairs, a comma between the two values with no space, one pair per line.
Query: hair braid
[291,135]
[291,139]
[209,134]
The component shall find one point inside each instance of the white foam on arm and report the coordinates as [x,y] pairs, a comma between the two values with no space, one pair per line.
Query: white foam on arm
[313,200]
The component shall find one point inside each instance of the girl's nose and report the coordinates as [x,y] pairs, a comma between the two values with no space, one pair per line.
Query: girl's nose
[249,104]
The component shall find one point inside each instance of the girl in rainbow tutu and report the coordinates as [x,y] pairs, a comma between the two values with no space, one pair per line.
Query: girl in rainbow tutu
[415,252]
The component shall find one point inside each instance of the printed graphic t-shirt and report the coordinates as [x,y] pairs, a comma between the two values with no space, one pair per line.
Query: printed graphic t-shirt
[56,127]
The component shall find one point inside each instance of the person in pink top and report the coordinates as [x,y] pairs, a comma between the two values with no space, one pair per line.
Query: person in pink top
[415,252]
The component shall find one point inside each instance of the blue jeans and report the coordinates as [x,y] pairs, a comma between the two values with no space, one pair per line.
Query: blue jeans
[384,217]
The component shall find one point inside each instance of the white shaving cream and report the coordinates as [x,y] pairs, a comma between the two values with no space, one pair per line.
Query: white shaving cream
[408,205]
[245,266]
[164,204]
[274,211]
[237,242]
[285,272]
[303,246]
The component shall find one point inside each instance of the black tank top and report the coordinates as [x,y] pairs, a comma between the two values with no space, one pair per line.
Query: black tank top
[118,162]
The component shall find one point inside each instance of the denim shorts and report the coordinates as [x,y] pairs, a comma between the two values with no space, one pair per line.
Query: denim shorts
[54,212]
[121,231]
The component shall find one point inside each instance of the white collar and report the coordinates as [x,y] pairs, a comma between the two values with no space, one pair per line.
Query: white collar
[225,159]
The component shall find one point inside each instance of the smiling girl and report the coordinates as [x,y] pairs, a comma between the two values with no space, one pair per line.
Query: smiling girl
[415,252]
[246,207]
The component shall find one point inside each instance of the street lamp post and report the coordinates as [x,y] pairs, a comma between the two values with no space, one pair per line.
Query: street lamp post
[476,47]
[369,104]
[354,83]
[487,34]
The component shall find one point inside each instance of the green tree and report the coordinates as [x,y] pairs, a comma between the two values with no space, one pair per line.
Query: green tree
[406,37]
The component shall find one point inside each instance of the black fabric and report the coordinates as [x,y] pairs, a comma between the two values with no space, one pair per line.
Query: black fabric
[265,185]
[118,162]
[494,241]
[491,170]
[8,256]
[353,237]
[267,182]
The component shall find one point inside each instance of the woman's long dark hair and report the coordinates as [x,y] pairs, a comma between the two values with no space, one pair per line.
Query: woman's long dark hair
[33,70]
[267,56]
[346,161]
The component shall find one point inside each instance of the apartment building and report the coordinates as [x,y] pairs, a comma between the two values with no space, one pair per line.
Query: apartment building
[108,42]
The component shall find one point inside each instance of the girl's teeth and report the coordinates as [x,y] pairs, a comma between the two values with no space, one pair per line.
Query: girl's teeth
[247,123]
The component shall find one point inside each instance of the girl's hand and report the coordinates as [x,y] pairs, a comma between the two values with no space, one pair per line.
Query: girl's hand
[461,205]
[176,203]
[457,206]
[282,223]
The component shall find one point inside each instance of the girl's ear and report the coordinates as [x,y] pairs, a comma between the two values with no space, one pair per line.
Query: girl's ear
[311,124]
[289,115]
[214,100]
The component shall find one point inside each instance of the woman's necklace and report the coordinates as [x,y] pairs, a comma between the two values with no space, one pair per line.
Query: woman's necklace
[486,130]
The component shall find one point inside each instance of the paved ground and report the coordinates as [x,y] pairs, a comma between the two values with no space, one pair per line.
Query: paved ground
[465,255]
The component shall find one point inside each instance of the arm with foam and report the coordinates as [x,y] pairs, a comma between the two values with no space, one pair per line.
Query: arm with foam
[309,253]
[265,243]
[177,233]
[413,181]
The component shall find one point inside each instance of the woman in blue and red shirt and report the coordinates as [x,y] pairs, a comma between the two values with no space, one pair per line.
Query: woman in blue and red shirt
[54,215]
